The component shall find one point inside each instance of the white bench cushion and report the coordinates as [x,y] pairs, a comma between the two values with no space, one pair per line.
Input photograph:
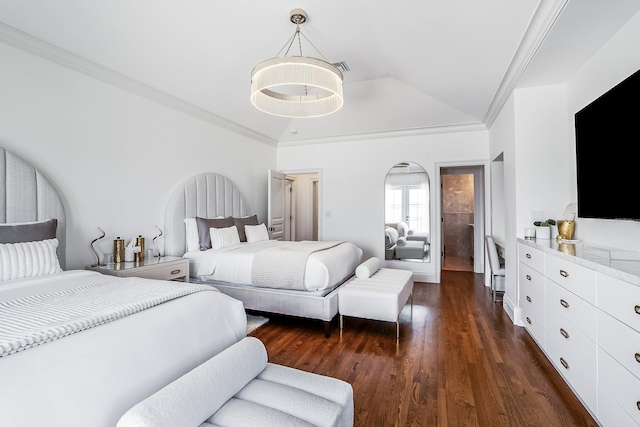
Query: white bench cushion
[379,297]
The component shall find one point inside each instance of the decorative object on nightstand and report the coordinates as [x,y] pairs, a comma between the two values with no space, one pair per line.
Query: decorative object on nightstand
[95,252]
[118,250]
[154,242]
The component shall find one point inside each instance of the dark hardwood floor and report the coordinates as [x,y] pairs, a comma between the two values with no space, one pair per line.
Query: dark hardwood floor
[459,362]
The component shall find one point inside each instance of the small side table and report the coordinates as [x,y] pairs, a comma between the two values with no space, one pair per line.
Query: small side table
[163,268]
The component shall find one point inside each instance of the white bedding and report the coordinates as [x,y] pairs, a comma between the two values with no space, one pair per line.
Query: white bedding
[324,269]
[92,377]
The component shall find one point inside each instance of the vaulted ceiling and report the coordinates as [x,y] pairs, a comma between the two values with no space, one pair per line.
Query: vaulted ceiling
[415,66]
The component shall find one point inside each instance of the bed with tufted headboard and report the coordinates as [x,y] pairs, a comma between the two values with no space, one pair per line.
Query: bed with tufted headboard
[78,347]
[233,267]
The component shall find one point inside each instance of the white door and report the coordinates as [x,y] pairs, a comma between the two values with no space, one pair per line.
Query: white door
[276,209]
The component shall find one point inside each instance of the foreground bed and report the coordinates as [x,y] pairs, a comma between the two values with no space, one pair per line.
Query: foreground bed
[68,360]
[213,198]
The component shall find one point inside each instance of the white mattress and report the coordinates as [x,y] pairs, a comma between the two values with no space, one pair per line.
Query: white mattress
[324,269]
[92,377]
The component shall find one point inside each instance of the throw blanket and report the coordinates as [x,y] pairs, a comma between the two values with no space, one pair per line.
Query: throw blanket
[284,266]
[34,320]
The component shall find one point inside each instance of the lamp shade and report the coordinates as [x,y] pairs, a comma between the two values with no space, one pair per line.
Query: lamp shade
[296,86]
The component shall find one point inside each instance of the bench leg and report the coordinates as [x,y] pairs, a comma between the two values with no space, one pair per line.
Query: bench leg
[398,329]
[341,322]
[327,329]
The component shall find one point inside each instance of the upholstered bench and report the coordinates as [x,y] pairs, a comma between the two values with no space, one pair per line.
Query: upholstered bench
[238,387]
[376,293]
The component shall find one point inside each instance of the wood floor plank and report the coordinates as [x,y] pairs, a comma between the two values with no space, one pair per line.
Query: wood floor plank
[460,361]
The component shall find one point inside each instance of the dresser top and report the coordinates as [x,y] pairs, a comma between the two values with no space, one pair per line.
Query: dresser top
[622,264]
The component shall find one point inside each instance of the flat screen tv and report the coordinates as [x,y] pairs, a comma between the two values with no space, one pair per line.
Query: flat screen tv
[607,163]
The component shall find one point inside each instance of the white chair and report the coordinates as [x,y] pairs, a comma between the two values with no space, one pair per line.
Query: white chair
[497,269]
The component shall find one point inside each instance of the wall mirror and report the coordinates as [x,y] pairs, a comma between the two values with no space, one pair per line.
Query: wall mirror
[406,213]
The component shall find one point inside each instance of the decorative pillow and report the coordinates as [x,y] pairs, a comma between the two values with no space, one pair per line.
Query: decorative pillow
[205,224]
[191,229]
[28,231]
[391,236]
[223,237]
[368,268]
[241,222]
[256,233]
[28,259]
[401,241]
[403,229]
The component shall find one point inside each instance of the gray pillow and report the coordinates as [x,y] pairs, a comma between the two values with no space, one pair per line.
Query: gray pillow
[28,231]
[241,222]
[204,224]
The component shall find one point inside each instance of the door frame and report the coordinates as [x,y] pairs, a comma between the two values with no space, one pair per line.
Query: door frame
[482,212]
[318,172]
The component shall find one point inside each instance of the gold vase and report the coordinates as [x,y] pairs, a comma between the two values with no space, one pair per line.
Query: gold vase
[566,229]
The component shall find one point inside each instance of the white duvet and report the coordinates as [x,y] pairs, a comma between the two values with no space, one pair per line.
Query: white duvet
[324,268]
[92,377]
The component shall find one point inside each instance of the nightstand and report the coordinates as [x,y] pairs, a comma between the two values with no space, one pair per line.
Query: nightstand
[163,268]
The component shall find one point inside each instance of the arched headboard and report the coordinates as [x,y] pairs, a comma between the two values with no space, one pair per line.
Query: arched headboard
[207,195]
[26,196]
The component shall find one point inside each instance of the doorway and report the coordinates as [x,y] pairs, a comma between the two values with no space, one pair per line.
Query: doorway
[294,205]
[462,207]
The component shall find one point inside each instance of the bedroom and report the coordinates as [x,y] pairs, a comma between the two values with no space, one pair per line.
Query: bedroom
[117,156]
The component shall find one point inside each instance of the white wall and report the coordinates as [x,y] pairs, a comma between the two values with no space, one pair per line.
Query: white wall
[115,157]
[353,175]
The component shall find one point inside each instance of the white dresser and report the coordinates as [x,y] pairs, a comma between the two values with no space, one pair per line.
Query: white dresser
[581,304]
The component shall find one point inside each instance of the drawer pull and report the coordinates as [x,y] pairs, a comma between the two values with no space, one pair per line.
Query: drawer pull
[637,308]
[175,271]
[638,405]
[528,277]
[528,298]
[528,256]
[564,363]
[528,320]
[564,273]
[564,333]
[638,357]
[564,303]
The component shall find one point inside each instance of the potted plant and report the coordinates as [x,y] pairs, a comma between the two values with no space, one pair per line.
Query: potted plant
[543,228]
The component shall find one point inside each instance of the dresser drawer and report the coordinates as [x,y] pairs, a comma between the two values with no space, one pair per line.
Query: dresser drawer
[532,307]
[573,308]
[530,280]
[161,272]
[620,341]
[576,278]
[620,299]
[610,413]
[621,385]
[576,376]
[532,257]
[582,347]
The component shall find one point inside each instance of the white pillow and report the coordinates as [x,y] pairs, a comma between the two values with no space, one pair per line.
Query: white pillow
[368,268]
[193,240]
[223,237]
[28,259]
[256,233]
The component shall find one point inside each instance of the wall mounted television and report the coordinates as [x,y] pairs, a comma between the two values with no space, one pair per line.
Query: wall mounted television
[608,168]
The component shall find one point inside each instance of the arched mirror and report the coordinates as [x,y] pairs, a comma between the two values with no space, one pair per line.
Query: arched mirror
[406,213]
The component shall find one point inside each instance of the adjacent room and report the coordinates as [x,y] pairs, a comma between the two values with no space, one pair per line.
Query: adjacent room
[303,213]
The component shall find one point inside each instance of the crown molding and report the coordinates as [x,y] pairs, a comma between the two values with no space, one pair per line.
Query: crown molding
[35,46]
[541,24]
[465,127]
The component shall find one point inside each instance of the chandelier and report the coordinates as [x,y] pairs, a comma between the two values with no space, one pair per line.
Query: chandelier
[296,86]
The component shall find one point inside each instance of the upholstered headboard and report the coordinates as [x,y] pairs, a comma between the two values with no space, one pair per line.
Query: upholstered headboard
[207,195]
[26,196]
